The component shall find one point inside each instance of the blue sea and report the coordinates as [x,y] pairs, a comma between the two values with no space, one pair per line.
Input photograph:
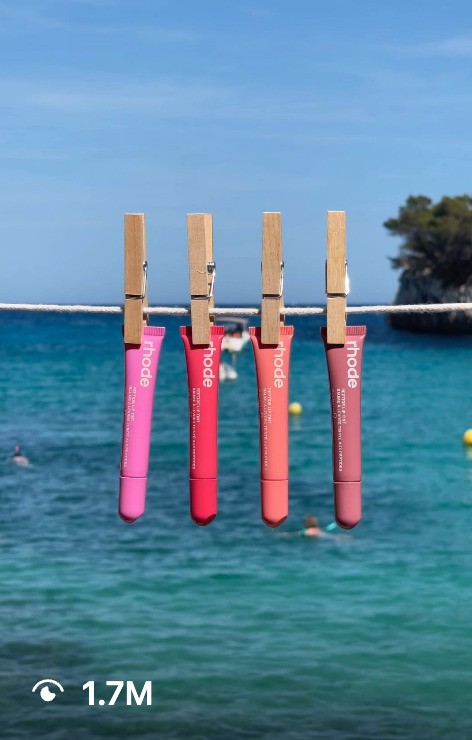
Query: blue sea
[243,633]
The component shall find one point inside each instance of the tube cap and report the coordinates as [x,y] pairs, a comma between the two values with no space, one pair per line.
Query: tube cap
[274,501]
[203,500]
[348,503]
[132,498]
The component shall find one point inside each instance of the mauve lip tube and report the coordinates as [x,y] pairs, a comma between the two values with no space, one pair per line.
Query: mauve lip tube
[141,363]
[345,375]
[203,368]
[272,370]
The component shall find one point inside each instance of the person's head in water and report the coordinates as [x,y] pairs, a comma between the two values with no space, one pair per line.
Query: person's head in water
[311,522]
[17,452]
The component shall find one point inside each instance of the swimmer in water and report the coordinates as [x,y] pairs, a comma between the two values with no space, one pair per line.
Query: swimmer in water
[311,529]
[18,458]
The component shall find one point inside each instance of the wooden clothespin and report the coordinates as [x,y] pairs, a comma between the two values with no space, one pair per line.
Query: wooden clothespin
[272,278]
[202,274]
[136,299]
[336,278]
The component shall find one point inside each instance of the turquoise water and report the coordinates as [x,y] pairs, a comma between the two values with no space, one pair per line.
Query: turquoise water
[244,634]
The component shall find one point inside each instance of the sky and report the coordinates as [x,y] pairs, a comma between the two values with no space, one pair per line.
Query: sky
[232,108]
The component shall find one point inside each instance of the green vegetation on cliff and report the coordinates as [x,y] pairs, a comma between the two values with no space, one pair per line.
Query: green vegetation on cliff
[435,260]
[437,238]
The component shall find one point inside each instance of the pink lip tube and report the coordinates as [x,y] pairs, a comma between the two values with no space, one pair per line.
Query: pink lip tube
[141,363]
[345,374]
[272,370]
[203,366]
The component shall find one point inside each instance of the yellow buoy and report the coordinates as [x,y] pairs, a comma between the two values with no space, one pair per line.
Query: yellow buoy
[296,409]
[467,438]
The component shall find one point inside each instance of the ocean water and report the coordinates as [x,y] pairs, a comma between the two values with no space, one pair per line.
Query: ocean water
[244,634]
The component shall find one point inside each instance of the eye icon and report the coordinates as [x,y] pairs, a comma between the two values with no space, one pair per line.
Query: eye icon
[46,694]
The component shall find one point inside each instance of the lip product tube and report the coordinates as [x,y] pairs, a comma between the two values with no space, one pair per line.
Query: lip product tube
[272,370]
[345,374]
[141,363]
[203,366]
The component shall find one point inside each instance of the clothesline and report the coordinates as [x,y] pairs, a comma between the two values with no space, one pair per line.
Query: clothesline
[287,310]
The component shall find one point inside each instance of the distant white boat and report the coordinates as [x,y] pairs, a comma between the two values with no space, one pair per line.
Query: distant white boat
[235,338]
[236,334]
[227,372]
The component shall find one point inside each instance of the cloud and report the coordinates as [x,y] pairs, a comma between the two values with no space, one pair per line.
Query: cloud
[176,99]
[29,155]
[458,46]
[26,16]
[31,20]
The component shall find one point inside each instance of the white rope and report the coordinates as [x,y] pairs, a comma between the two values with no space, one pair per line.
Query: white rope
[287,311]
[59,308]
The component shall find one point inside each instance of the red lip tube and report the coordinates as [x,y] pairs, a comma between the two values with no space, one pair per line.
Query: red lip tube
[203,364]
[345,373]
[272,369]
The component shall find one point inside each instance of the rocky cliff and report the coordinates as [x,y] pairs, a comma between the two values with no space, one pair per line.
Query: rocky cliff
[415,288]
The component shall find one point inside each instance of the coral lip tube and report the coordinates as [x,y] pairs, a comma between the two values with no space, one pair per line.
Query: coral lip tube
[345,374]
[272,370]
[141,363]
[203,366]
